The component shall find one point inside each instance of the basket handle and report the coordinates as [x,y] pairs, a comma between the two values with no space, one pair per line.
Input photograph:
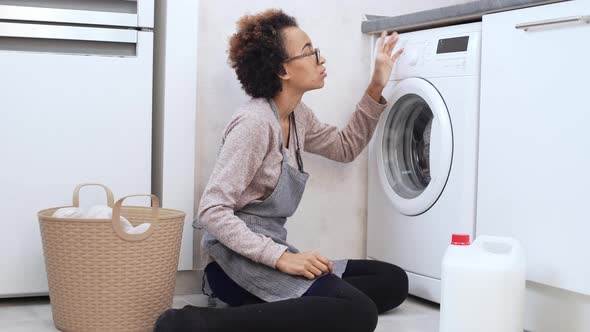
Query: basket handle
[135,237]
[76,198]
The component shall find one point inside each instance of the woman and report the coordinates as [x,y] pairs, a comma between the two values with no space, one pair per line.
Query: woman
[257,183]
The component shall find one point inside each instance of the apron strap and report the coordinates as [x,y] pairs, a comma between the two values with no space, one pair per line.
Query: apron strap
[297,149]
[273,106]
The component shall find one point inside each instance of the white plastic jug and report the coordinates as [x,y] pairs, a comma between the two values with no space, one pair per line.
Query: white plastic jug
[483,285]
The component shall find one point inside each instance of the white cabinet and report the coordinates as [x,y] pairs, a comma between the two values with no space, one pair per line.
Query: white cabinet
[175,113]
[76,106]
[534,155]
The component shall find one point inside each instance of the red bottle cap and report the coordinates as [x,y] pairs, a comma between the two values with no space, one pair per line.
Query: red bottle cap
[460,239]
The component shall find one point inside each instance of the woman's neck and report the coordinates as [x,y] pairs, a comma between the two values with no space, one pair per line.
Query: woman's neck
[286,102]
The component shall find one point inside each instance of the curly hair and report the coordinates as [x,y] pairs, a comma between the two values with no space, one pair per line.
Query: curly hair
[257,52]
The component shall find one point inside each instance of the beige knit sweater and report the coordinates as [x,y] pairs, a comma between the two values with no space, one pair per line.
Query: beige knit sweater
[249,164]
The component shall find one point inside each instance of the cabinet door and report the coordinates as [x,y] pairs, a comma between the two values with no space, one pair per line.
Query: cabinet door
[534,154]
[76,107]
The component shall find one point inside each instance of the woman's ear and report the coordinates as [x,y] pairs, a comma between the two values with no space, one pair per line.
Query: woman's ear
[284,73]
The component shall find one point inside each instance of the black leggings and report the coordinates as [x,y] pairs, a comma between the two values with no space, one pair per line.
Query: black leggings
[367,288]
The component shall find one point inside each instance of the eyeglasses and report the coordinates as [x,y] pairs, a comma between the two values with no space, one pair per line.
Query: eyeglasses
[316,51]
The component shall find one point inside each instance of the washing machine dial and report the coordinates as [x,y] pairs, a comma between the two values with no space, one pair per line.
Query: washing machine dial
[413,52]
[412,58]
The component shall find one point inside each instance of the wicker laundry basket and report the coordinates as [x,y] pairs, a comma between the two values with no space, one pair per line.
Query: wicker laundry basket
[103,279]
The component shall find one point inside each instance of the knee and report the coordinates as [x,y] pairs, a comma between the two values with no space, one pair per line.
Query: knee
[397,286]
[364,315]
[169,320]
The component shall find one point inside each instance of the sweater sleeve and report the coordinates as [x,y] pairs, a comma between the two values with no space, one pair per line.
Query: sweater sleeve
[246,143]
[346,144]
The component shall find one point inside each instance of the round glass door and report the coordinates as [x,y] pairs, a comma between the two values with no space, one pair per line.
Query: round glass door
[417,146]
[406,146]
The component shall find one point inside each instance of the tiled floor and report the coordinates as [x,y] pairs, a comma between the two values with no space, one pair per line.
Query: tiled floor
[34,314]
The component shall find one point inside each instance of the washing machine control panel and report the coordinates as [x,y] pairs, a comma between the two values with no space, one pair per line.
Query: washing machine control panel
[428,54]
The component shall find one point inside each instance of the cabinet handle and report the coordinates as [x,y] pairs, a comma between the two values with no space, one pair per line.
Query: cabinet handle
[526,26]
[42,31]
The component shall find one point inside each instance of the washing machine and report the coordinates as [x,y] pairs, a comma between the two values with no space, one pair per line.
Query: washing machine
[423,156]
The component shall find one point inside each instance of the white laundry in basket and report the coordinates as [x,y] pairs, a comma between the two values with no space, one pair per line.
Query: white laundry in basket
[100,212]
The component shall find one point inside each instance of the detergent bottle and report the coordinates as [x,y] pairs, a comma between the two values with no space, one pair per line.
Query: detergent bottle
[482,285]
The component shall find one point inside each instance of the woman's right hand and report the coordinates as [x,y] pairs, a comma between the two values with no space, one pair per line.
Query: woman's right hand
[308,264]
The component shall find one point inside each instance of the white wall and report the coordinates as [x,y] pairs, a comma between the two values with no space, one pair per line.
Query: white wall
[332,214]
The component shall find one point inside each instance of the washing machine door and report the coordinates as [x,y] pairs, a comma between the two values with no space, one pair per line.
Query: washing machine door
[416,135]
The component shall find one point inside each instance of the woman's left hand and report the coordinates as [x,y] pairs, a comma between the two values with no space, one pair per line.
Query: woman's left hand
[384,62]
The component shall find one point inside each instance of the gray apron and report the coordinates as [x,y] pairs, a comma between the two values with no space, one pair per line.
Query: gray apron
[268,218]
